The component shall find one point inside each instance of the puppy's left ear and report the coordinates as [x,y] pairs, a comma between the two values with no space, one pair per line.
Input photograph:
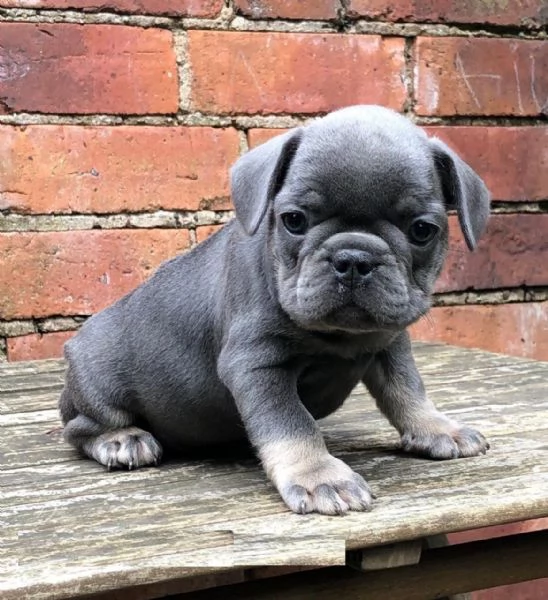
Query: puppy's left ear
[258,176]
[463,190]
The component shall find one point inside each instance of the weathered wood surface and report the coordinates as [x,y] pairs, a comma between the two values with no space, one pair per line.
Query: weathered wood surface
[68,528]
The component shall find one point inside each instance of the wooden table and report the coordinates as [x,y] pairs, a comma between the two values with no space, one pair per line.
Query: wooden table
[69,528]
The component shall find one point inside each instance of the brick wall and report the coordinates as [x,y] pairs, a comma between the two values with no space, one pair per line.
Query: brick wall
[119,120]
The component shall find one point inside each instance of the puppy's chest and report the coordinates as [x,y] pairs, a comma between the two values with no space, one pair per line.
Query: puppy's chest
[325,383]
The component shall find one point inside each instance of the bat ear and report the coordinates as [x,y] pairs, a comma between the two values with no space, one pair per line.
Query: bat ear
[463,191]
[259,175]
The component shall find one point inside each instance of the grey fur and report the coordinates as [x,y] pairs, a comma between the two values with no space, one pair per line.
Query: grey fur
[258,332]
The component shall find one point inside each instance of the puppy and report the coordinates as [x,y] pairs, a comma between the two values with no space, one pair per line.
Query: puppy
[340,233]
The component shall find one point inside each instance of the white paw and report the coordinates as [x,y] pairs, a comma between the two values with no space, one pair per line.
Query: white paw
[124,448]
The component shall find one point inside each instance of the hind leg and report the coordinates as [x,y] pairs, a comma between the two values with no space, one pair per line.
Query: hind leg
[128,447]
[105,433]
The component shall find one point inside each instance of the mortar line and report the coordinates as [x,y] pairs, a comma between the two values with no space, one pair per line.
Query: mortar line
[247,121]
[227,20]
[14,222]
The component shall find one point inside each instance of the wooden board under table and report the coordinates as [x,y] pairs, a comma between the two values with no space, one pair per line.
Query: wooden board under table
[69,528]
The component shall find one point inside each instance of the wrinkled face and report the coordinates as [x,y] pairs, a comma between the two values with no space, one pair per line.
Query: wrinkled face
[359,230]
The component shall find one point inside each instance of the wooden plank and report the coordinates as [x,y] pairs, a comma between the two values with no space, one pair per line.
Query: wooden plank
[441,572]
[33,367]
[387,556]
[31,381]
[14,402]
[395,518]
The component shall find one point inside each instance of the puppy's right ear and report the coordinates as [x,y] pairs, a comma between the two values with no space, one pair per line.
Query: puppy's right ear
[258,176]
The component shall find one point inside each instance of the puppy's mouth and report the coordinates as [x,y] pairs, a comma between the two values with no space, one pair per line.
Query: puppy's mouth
[382,305]
[350,317]
[354,317]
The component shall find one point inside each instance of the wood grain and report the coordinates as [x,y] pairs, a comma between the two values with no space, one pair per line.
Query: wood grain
[69,528]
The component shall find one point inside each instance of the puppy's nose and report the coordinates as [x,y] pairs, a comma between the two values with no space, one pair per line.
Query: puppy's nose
[350,264]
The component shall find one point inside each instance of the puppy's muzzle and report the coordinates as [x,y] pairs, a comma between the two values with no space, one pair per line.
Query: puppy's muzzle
[353,265]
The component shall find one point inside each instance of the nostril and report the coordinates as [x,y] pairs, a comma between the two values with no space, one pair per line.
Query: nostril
[341,265]
[363,269]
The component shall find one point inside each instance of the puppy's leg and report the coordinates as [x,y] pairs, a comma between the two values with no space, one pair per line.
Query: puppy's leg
[105,433]
[288,441]
[395,383]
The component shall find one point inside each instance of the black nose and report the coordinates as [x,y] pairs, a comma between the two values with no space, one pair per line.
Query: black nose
[352,264]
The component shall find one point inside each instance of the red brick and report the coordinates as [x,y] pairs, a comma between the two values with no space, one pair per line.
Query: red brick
[66,68]
[78,272]
[481,76]
[37,346]
[509,255]
[512,160]
[518,329]
[526,590]
[181,8]
[531,13]
[49,168]
[255,137]
[202,233]
[495,531]
[288,9]
[242,72]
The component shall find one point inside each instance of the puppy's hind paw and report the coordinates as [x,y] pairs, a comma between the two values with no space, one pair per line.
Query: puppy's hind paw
[129,448]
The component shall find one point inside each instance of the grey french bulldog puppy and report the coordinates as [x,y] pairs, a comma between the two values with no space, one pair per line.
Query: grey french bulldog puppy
[340,233]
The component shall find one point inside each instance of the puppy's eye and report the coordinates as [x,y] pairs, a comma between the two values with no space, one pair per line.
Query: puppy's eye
[294,222]
[422,232]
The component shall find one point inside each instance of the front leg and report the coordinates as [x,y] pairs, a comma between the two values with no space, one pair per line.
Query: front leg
[287,438]
[393,380]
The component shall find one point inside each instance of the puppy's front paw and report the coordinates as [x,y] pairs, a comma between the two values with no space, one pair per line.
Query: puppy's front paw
[325,485]
[124,448]
[443,439]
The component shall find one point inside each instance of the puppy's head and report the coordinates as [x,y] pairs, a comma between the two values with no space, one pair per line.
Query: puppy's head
[355,209]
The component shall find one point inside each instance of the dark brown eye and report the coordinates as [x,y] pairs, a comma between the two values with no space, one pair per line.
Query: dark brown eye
[294,222]
[422,232]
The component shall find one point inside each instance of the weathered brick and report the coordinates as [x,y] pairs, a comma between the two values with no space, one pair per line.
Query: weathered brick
[258,73]
[48,168]
[78,272]
[205,231]
[496,531]
[481,76]
[255,137]
[526,590]
[181,8]
[37,345]
[518,329]
[288,9]
[526,13]
[67,68]
[512,160]
[509,255]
